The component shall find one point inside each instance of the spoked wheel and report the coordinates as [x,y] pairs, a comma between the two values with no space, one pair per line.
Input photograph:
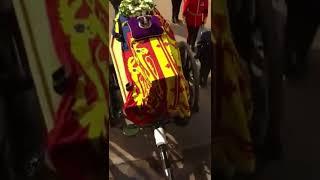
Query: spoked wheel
[191,73]
[161,142]
[117,117]
[115,99]
[165,162]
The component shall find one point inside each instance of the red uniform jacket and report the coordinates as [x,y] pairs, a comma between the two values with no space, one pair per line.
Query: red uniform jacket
[195,12]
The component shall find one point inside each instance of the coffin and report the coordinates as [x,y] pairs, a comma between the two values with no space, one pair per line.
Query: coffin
[149,74]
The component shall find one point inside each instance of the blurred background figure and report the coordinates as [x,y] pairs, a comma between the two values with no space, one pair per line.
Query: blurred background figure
[195,13]
[233,153]
[115,4]
[176,10]
[22,128]
[302,24]
[204,52]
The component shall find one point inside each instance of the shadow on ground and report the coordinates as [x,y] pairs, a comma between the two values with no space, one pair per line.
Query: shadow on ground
[185,143]
[194,164]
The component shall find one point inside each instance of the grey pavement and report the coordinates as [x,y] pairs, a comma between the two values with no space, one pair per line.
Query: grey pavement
[189,147]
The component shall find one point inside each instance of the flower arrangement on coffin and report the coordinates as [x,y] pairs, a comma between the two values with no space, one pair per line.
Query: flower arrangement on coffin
[134,8]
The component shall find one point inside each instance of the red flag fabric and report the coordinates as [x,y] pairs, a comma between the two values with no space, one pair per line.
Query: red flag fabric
[79,30]
[152,70]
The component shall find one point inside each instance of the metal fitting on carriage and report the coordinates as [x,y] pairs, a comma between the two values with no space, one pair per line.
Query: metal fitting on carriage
[60,80]
[129,86]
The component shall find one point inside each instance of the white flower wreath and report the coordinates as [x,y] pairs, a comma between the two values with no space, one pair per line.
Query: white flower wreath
[133,8]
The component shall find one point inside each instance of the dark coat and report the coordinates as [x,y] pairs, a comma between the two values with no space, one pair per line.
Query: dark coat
[205,50]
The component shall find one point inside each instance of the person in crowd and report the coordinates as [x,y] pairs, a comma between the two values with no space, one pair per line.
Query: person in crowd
[301,27]
[204,53]
[176,10]
[233,153]
[246,18]
[115,4]
[195,13]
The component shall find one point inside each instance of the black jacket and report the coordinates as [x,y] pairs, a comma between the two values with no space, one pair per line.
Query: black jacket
[205,49]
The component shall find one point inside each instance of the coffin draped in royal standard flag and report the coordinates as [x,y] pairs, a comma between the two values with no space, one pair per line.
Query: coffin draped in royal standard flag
[79,30]
[152,67]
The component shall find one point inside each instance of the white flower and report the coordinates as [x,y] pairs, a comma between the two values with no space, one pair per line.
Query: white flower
[136,7]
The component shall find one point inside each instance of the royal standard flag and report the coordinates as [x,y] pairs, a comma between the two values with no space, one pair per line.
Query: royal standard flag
[79,31]
[150,74]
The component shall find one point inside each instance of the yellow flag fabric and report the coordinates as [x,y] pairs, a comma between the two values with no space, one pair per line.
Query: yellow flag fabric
[231,141]
[153,67]
[79,30]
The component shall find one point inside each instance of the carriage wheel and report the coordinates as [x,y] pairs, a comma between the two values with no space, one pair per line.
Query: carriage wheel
[116,102]
[191,73]
[166,165]
[115,99]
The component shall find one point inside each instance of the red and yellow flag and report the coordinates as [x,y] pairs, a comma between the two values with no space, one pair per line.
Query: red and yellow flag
[153,69]
[79,31]
[232,139]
